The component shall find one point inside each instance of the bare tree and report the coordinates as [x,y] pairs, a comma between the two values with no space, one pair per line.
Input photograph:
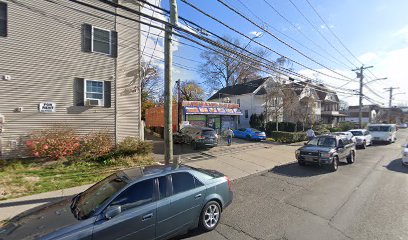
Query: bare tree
[343,105]
[307,111]
[274,103]
[150,86]
[150,80]
[221,69]
[291,106]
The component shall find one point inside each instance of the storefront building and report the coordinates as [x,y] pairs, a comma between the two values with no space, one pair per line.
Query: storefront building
[218,116]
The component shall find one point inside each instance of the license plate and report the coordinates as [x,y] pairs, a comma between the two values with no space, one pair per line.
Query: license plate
[310,158]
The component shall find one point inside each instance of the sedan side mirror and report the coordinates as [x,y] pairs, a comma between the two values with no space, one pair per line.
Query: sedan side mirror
[112,211]
[305,143]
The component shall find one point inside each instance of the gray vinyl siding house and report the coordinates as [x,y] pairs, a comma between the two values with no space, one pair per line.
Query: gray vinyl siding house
[84,61]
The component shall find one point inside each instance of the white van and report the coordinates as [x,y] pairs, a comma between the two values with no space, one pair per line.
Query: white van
[383,132]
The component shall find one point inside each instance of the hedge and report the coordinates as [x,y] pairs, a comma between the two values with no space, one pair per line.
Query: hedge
[283,126]
[288,137]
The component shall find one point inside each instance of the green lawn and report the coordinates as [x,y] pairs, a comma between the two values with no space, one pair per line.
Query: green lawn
[26,177]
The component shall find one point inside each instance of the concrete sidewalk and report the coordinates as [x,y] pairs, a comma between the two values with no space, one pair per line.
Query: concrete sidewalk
[235,162]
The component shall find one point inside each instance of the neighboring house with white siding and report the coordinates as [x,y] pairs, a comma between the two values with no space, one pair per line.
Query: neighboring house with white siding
[75,62]
[250,96]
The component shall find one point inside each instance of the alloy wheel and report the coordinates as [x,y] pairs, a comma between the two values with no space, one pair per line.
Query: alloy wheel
[211,216]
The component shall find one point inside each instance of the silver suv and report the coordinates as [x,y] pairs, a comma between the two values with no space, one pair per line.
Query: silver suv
[327,150]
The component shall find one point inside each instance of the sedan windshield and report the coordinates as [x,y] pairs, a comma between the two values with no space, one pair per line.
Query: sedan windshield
[379,128]
[86,203]
[357,133]
[323,141]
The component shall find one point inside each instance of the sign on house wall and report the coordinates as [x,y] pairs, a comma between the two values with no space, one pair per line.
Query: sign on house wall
[46,107]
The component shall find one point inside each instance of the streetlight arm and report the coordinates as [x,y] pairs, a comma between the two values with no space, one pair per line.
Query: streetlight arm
[378,79]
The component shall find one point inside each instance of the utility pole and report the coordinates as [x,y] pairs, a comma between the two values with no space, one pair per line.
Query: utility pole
[361,76]
[168,96]
[390,89]
[178,104]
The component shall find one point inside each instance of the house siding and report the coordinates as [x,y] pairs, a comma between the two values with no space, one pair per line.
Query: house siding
[128,73]
[43,55]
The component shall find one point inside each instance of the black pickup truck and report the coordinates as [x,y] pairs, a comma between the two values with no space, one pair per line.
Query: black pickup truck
[327,150]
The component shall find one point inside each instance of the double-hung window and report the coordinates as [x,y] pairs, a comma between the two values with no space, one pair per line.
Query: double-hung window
[94,92]
[88,92]
[101,41]
[3,19]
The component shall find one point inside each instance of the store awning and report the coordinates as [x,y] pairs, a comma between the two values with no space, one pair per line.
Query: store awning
[212,111]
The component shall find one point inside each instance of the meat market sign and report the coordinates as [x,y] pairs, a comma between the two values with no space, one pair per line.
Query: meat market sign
[46,107]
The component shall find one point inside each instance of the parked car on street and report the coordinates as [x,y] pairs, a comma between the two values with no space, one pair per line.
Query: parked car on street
[249,134]
[197,137]
[157,202]
[383,132]
[405,154]
[327,150]
[403,125]
[348,135]
[362,136]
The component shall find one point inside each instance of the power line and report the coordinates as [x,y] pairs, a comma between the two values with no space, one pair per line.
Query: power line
[177,34]
[214,43]
[318,31]
[246,36]
[333,59]
[280,40]
[223,39]
[147,37]
[332,32]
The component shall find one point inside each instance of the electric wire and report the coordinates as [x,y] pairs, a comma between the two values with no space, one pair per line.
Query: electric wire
[318,31]
[280,40]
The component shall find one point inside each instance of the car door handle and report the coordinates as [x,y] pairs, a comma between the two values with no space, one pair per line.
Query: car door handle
[147,217]
[197,196]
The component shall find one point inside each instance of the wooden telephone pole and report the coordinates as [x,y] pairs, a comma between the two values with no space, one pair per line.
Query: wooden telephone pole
[361,76]
[168,96]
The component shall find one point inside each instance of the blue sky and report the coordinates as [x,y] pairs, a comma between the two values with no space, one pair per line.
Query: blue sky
[375,31]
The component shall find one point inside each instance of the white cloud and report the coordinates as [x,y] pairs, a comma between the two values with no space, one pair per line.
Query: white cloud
[255,33]
[402,33]
[368,58]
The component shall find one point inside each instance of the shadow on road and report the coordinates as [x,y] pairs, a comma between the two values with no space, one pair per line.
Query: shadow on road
[192,233]
[294,170]
[396,166]
[33,201]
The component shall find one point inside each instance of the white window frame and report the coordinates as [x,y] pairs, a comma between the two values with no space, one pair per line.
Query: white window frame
[103,91]
[110,40]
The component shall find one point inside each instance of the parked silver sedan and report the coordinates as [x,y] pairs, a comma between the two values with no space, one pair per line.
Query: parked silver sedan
[139,203]
[363,137]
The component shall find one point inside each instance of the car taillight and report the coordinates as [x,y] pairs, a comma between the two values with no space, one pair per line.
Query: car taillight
[229,183]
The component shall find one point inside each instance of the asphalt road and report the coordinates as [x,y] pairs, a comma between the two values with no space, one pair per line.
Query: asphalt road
[364,200]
